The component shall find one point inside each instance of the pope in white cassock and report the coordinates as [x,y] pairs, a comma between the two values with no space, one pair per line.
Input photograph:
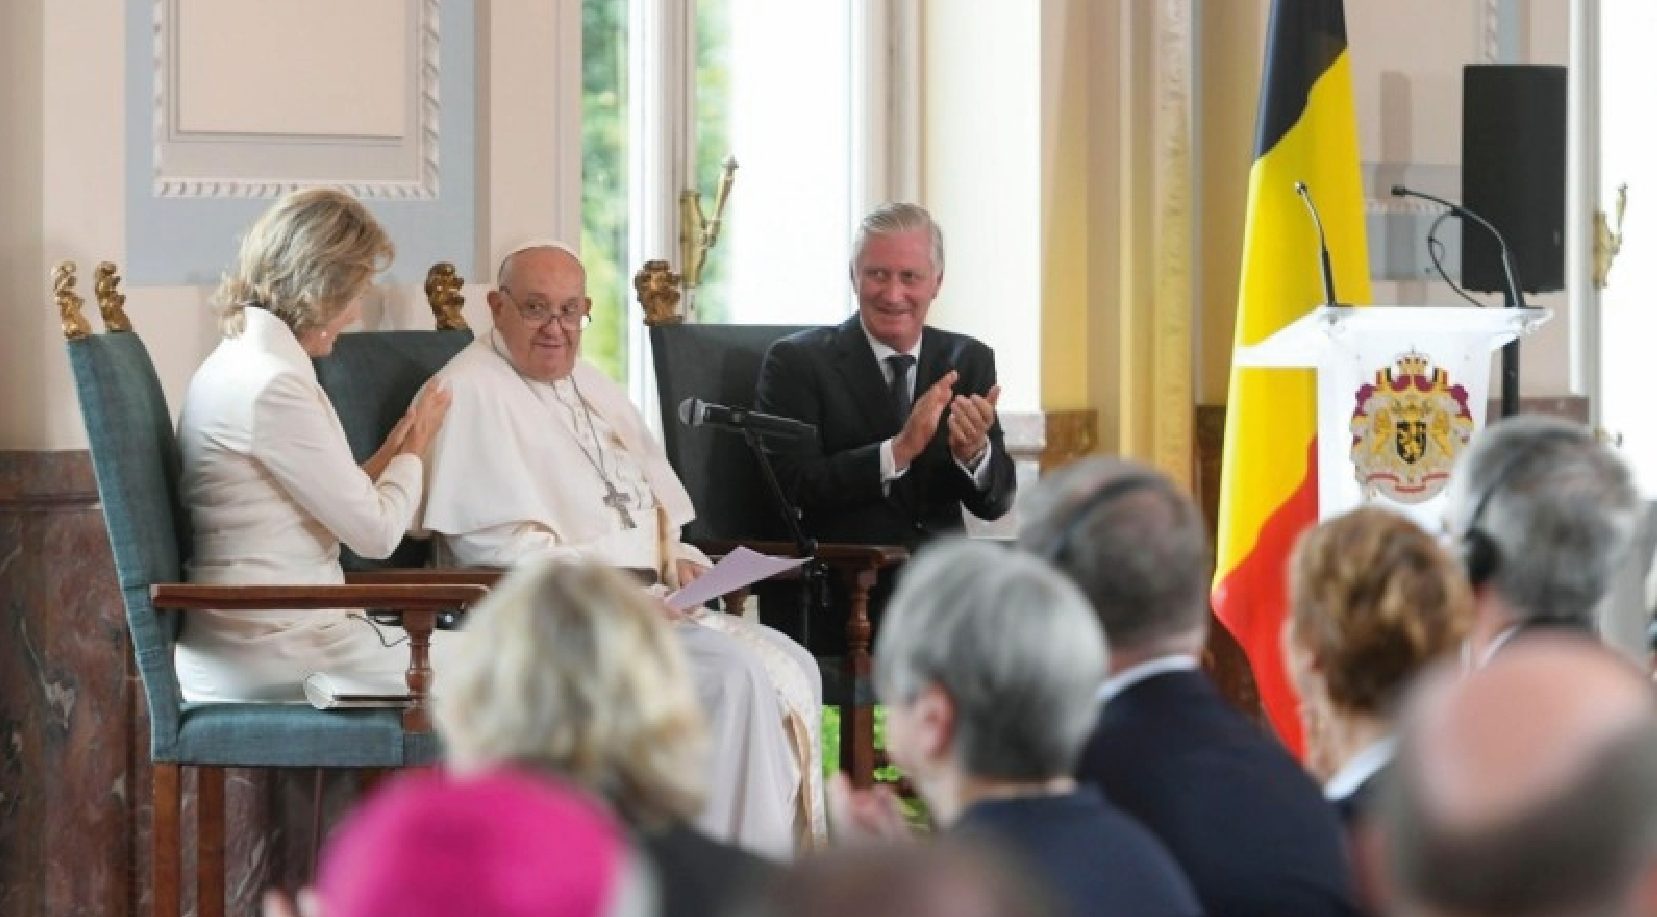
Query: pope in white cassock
[542,455]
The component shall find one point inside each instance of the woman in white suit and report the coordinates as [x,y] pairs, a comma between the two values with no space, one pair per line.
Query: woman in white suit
[268,477]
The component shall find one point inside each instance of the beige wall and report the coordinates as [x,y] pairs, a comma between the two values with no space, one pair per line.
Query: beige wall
[62,186]
[980,175]
[21,153]
[1032,135]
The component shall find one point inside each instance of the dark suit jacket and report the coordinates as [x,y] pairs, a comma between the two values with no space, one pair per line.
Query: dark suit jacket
[1096,861]
[828,377]
[698,876]
[1250,828]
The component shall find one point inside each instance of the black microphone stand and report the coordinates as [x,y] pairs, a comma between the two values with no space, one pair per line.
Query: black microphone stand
[1513,296]
[814,574]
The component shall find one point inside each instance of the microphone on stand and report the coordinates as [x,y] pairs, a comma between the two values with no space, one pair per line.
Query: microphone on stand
[1514,293]
[1323,245]
[694,412]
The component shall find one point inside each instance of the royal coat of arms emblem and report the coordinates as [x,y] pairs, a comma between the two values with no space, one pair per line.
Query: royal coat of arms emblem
[1409,426]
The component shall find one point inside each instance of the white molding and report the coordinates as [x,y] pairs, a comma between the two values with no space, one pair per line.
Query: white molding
[1177,240]
[565,167]
[1582,190]
[1490,31]
[416,154]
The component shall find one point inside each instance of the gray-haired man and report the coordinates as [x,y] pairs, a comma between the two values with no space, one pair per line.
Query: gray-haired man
[988,666]
[1245,822]
[1544,515]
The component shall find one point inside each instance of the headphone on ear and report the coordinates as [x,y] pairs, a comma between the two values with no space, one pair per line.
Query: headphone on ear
[1480,553]
[1130,483]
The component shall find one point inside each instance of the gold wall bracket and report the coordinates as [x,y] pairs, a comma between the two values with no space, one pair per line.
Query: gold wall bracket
[1608,241]
[697,233]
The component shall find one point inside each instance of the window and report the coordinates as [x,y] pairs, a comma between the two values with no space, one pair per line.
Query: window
[604,188]
[773,88]
[772,84]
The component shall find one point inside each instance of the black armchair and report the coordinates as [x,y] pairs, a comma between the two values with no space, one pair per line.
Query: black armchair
[720,363]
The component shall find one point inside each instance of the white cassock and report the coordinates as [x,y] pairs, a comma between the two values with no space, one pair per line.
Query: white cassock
[532,469]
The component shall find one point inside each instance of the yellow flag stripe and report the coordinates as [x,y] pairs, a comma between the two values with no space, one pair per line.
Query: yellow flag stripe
[1271,413]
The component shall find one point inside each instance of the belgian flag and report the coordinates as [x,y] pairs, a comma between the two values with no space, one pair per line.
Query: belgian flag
[1307,131]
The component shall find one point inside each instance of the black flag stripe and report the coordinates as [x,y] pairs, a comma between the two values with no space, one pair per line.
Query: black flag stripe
[1304,38]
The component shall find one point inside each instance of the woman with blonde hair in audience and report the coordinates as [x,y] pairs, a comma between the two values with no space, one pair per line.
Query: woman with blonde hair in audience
[572,669]
[1374,600]
[267,475]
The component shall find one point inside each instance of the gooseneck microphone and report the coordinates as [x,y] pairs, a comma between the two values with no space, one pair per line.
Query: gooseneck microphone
[1515,293]
[694,412]
[1323,245]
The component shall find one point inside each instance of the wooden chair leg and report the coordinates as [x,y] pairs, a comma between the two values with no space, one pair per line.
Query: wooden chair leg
[164,841]
[316,821]
[857,718]
[210,841]
[419,625]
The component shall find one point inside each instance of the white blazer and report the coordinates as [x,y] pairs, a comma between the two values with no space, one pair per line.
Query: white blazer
[272,489]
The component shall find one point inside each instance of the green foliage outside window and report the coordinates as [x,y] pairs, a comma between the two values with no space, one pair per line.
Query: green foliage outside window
[604,191]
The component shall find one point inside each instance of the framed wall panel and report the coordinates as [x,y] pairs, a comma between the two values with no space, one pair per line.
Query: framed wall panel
[233,103]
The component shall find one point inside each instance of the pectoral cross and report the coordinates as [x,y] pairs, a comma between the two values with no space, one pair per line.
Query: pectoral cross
[617,501]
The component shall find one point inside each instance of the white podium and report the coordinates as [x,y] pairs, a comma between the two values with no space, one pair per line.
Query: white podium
[1401,390]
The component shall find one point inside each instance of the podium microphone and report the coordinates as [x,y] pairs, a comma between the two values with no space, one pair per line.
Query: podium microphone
[694,412]
[1515,294]
[1323,245]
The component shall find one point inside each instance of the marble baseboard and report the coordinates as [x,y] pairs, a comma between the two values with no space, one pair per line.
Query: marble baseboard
[74,731]
[67,697]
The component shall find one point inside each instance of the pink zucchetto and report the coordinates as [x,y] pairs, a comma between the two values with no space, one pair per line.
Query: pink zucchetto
[498,844]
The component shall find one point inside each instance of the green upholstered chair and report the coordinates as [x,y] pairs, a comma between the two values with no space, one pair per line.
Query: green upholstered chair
[136,460]
[720,363]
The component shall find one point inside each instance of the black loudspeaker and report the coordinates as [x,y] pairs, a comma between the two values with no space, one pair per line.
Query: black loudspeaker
[1513,174]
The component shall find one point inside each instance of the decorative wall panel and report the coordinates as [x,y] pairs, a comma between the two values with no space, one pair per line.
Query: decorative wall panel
[232,103]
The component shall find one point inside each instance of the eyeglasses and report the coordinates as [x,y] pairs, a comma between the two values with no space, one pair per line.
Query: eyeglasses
[539,312]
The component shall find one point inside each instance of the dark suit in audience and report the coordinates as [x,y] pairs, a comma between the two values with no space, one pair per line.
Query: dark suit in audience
[698,876]
[1099,862]
[1248,826]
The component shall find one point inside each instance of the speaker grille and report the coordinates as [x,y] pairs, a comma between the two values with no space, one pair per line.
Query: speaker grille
[1513,174]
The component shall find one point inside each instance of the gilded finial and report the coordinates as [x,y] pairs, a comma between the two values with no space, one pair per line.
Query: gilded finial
[106,282]
[443,285]
[658,290]
[75,327]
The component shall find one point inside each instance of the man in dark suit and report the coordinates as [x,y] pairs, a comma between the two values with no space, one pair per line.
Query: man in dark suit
[1247,824]
[905,413]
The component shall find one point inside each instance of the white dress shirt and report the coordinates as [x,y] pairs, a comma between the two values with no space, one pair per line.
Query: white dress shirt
[1150,668]
[889,472]
[1357,771]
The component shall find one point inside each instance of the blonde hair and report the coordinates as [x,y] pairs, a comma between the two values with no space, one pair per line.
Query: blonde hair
[304,260]
[1375,599]
[571,668]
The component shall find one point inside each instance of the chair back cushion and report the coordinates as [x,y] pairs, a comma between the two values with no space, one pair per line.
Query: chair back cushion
[372,377]
[720,364]
[136,460]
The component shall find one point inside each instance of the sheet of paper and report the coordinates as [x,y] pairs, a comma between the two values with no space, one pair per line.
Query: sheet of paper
[737,569]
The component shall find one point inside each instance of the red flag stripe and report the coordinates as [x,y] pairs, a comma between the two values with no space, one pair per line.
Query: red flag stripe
[1253,601]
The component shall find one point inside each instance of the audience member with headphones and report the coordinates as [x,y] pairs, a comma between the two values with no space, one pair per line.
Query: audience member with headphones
[1544,515]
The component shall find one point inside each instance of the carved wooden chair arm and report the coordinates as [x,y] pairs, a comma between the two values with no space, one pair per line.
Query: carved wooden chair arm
[416,603]
[459,576]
